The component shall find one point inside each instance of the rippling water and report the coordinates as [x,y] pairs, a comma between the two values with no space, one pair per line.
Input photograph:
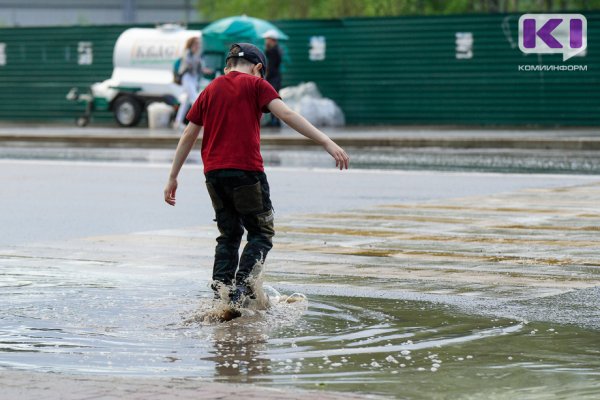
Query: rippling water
[95,318]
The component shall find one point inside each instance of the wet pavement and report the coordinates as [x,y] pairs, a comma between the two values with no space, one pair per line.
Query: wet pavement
[500,254]
[393,137]
[471,286]
[524,161]
[30,385]
[60,129]
[62,199]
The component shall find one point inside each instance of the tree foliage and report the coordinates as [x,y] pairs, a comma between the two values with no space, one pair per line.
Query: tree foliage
[315,9]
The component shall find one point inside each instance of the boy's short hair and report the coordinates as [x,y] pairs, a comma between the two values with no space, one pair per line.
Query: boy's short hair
[246,54]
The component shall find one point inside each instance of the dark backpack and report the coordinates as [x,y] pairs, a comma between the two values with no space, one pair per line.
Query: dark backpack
[176,74]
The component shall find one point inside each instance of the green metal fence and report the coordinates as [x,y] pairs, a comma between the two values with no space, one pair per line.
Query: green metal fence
[42,65]
[407,70]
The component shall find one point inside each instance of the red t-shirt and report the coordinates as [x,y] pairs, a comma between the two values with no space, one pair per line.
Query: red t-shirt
[230,109]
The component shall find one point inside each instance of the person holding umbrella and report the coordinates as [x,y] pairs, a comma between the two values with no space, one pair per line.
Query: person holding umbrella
[274,55]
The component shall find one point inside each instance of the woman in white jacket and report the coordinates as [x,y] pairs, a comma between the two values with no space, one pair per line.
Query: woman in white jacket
[190,71]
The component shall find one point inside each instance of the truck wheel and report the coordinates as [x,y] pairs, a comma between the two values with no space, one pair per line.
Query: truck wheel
[127,110]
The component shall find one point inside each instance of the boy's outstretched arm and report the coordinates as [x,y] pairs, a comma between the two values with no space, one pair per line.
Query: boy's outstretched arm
[185,145]
[302,126]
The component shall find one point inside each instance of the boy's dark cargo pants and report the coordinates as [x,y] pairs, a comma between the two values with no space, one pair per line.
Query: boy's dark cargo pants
[241,200]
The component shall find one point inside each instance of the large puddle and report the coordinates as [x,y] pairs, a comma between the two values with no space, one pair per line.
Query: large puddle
[93,318]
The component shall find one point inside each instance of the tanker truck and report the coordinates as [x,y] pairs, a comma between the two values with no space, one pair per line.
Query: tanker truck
[143,60]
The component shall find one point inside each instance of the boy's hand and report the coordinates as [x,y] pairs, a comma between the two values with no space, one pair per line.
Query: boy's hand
[302,126]
[170,190]
[341,158]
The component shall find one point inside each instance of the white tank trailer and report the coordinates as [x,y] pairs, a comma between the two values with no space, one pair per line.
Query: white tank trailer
[143,60]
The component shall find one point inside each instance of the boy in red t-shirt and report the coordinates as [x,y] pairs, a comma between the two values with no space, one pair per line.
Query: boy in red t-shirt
[229,112]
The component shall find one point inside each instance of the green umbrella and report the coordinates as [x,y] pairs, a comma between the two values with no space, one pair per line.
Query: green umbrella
[222,33]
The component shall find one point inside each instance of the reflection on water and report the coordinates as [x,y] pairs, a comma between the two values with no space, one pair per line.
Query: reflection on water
[101,319]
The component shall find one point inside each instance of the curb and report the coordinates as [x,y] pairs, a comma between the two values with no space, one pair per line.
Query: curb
[170,142]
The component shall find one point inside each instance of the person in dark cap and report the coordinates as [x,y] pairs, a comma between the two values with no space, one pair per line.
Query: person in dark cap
[229,112]
[274,56]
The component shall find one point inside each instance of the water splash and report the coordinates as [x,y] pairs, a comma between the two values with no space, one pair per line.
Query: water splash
[272,308]
[264,299]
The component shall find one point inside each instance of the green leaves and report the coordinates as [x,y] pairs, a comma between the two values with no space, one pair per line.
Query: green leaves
[326,9]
